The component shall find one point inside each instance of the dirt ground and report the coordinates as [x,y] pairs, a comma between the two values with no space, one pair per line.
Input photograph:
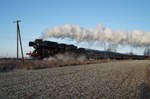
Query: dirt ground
[111,80]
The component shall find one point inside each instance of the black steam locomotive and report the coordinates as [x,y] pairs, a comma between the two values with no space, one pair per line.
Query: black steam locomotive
[45,49]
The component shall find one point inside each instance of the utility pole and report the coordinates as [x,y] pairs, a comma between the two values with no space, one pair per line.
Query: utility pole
[19,39]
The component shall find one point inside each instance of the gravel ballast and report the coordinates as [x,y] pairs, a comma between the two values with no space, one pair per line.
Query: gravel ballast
[114,80]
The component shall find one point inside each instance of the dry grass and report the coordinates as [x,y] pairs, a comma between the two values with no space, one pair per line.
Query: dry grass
[10,64]
[39,64]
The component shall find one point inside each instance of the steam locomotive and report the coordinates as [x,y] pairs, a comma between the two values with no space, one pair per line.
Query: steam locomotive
[43,49]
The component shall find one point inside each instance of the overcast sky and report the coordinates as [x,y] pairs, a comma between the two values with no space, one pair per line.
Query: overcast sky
[37,15]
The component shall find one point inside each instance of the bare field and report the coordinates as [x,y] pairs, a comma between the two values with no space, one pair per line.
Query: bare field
[112,80]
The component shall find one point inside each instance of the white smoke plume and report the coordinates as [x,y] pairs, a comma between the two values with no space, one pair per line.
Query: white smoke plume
[101,34]
[67,58]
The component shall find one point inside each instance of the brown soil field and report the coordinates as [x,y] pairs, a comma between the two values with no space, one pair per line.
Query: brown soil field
[106,80]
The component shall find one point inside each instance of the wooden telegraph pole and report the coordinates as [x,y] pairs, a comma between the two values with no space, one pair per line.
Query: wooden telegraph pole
[19,39]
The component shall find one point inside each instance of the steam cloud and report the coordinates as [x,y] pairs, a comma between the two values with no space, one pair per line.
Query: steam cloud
[67,58]
[101,34]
